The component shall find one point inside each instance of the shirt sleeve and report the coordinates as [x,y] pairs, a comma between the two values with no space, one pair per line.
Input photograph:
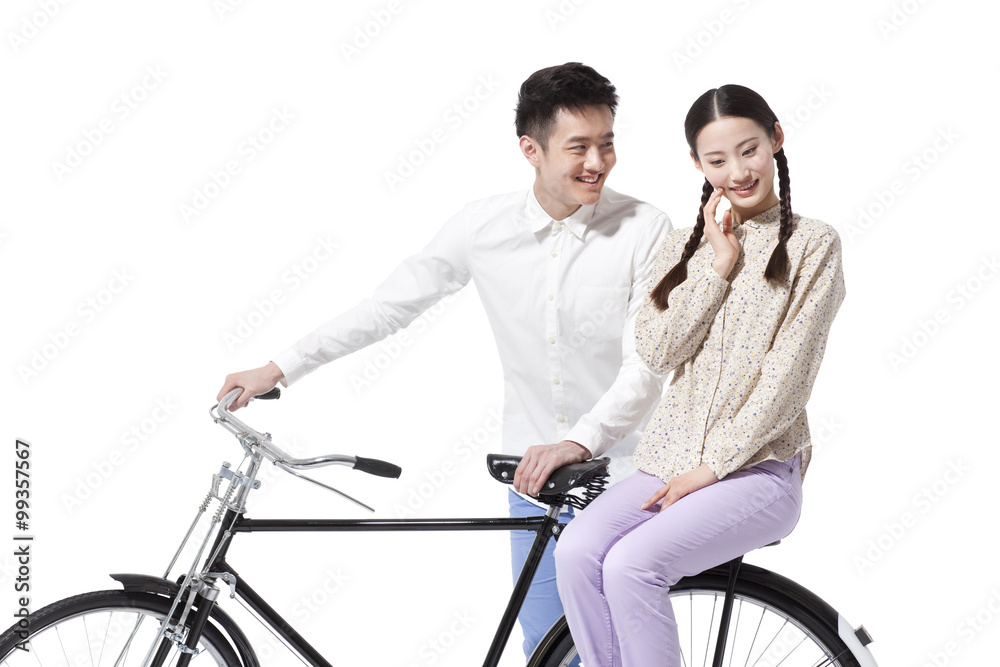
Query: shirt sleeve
[789,368]
[441,268]
[635,390]
[666,339]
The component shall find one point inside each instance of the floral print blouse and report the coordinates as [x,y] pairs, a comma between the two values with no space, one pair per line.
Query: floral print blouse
[744,351]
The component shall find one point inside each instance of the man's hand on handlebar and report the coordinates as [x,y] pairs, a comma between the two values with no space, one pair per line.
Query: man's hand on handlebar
[540,461]
[253,383]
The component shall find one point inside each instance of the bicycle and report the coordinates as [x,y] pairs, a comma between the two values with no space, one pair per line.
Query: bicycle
[765,619]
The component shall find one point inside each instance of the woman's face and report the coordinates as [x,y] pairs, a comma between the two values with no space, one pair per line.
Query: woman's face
[737,155]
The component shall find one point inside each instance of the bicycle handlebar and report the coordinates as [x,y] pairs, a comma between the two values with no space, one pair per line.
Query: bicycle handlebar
[223,417]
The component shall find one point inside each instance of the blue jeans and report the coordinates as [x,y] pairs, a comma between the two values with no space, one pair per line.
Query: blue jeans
[542,607]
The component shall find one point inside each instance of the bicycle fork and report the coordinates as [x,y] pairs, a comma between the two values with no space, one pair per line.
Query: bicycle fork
[203,601]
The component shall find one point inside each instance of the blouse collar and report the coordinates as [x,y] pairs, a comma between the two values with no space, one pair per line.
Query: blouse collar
[766,218]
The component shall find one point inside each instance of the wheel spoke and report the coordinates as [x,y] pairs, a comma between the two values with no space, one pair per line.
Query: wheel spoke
[756,634]
[708,634]
[770,643]
[107,627]
[736,632]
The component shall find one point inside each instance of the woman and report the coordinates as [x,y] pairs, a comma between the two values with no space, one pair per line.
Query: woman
[742,319]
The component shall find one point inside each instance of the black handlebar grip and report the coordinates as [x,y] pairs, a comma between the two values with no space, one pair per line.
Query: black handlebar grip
[376,467]
[274,393]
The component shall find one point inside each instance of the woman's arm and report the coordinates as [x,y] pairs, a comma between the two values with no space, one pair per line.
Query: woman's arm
[789,368]
[665,339]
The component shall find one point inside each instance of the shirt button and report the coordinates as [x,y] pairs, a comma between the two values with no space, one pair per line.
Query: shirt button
[552,297]
[561,418]
[552,339]
[557,226]
[554,253]
[555,380]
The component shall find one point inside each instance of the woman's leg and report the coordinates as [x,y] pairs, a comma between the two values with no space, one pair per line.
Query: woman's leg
[744,511]
[580,554]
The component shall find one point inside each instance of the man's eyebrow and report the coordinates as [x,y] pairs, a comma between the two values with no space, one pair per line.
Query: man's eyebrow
[573,140]
[745,141]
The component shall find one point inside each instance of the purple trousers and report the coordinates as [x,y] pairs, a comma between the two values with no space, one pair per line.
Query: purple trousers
[615,563]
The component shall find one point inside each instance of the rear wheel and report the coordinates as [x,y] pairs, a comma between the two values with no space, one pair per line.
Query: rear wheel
[774,622]
[113,628]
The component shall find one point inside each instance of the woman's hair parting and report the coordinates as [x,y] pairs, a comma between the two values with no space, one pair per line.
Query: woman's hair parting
[732,101]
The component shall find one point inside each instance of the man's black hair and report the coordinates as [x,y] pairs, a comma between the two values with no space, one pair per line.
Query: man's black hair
[571,86]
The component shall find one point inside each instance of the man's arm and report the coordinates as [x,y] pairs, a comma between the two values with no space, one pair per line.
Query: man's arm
[418,283]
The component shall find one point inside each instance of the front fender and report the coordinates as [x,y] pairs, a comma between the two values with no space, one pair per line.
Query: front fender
[144,583]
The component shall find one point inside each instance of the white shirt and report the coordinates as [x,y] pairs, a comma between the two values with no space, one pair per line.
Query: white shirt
[561,297]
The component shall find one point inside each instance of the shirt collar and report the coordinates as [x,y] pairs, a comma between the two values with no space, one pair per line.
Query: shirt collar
[538,219]
[765,218]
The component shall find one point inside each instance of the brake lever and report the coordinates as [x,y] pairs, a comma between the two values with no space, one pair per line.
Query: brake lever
[325,486]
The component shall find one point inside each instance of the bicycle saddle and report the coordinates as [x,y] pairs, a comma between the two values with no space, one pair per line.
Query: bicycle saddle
[562,480]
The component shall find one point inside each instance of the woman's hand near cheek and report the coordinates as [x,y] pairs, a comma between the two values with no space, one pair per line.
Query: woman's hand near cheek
[724,242]
[680,486]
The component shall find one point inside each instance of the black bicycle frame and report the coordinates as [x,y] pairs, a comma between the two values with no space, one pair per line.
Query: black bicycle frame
[543,526]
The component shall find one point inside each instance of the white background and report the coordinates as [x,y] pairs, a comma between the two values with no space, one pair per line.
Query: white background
[899,526]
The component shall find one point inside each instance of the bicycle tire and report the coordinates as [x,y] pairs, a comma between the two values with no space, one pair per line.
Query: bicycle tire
[86,629]
[806,634]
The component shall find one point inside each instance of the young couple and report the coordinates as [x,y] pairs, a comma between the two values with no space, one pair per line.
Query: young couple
[592,300]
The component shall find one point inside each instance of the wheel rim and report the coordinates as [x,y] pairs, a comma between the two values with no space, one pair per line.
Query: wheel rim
[760,634]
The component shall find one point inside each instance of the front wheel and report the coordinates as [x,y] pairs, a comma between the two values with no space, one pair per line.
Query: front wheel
[103,628]
[774,622]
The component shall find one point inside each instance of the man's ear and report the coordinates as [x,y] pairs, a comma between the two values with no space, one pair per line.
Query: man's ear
[697,162]
[531,150]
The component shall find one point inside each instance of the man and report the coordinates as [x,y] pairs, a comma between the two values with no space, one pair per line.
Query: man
[561,269]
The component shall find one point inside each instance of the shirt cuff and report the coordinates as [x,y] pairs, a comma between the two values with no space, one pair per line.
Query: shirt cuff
[724,442]
[715,277]
[591,438]
[291,366]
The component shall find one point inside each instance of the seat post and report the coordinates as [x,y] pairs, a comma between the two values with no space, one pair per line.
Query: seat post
[727,611]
